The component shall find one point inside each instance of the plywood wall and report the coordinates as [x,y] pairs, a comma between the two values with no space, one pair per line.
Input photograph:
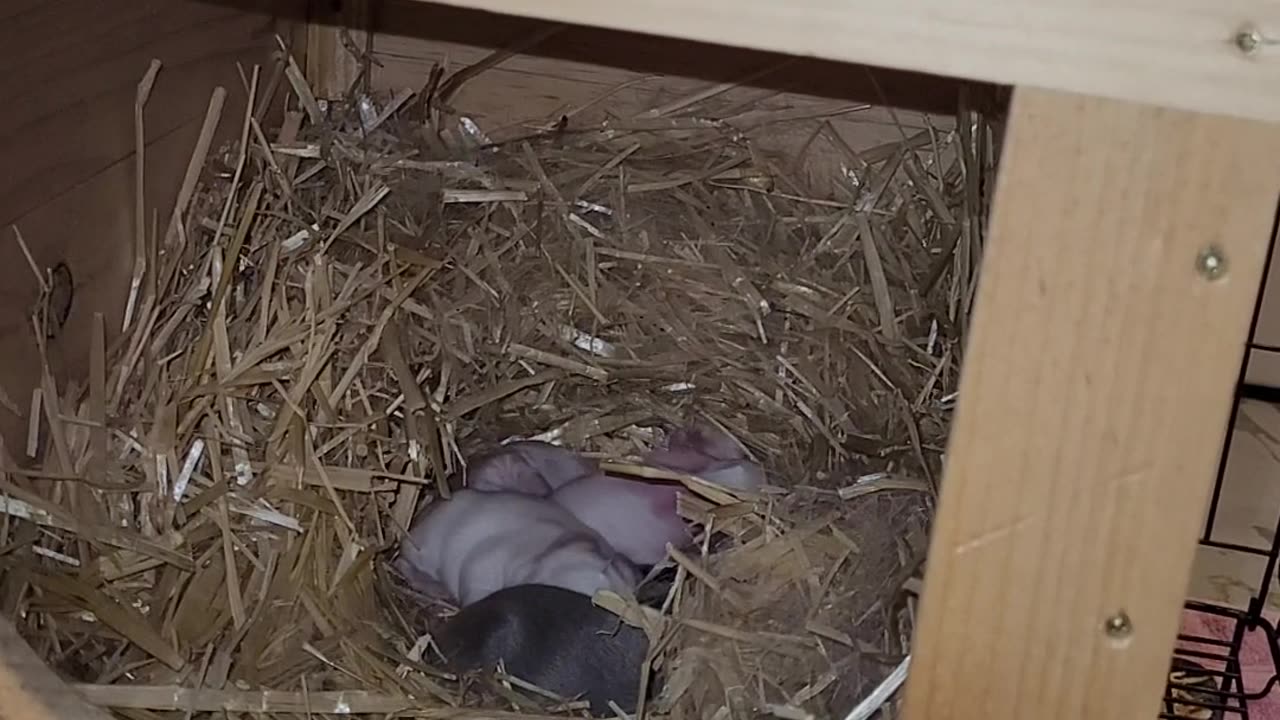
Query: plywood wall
[67,139]
[589,73]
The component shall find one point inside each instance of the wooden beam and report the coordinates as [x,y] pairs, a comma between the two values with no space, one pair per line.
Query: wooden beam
[31,690]
[1096,386]
[333,39]
[412,35]
[1179,53]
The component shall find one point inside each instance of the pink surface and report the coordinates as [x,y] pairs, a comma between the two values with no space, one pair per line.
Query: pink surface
[1255,659]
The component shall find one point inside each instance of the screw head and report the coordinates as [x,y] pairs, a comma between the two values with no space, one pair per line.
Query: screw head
[1211,263]
[1118,626]
[1248,39]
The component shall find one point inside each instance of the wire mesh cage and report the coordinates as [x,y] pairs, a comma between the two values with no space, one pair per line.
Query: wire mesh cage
[1206,675]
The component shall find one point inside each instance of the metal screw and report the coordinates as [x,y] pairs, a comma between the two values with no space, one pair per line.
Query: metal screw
[1119,626]
[1211,263]
[1249,39]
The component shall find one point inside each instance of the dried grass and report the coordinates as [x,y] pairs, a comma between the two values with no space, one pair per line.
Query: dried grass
[339,313]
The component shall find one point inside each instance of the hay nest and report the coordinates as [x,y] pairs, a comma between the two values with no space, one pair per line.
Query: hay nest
[345,308]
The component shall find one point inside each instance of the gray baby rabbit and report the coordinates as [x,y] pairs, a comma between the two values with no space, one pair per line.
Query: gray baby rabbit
[554,638]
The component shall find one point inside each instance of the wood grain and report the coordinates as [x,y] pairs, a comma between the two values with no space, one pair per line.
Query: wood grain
[1177,53]
[67,138]
[597,74]
[1097,381]
[528,90]
[29,690]
[90,229]
[69,113]
[331,68]
[408,30]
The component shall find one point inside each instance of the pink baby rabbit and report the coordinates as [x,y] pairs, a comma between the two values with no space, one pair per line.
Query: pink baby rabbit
[477,543]
[637,518]
[531,467]
[711,455]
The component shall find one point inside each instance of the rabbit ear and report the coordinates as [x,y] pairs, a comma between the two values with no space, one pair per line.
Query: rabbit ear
[709,441]
[530,467]
[505,470]
[694,448]
[557,465]
[741,475]
[711,454]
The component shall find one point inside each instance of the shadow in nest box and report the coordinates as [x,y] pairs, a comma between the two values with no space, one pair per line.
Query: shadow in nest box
[54,305]
[51,310]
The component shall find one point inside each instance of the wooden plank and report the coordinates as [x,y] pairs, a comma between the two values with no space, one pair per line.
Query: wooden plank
[69,114]
[595,74]
[1096,386]
[332,36]
[90,229]
[30,690]
[1179,53]
[409,35]
[67,138]
[529,89]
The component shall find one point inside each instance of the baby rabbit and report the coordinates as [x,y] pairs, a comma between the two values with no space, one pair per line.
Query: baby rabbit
[637,518]
[711,455]
[531,467]
[477,543]
[554,638]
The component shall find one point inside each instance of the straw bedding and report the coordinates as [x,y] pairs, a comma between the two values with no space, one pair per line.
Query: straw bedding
[347,307]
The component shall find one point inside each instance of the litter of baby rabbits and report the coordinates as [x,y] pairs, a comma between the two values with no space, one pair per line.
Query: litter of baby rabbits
[348,308]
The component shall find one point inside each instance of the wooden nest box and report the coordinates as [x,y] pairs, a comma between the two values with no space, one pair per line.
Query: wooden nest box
[1133,216]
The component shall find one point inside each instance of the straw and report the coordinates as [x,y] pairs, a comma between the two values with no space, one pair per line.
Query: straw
[344,309]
